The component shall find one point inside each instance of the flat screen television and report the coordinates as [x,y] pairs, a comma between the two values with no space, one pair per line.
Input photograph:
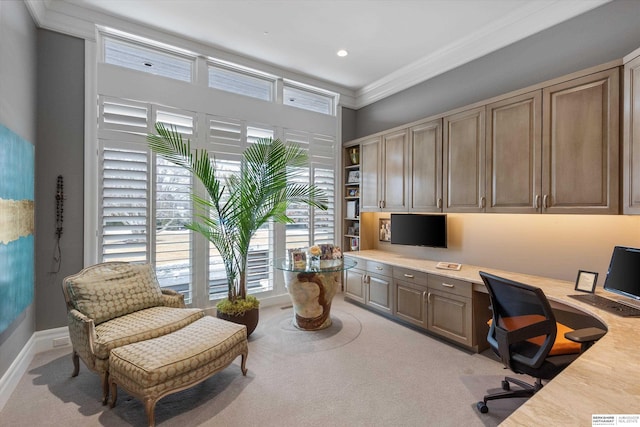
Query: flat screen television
[623,276]
[419,230]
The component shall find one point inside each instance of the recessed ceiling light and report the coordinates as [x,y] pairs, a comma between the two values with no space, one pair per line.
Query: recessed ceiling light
[342,52]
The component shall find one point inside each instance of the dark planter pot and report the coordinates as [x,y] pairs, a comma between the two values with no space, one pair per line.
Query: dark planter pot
[249,319]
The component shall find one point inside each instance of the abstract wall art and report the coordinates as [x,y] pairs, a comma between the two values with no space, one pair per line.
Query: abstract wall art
[16,226]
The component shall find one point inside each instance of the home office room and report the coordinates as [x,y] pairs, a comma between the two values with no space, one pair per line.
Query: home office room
[425,159]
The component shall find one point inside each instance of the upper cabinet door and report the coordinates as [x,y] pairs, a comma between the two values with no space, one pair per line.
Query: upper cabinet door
[580,145]
[464,154]
[370,175]
[394,170]
[514,150]
[631,166]
[425,167]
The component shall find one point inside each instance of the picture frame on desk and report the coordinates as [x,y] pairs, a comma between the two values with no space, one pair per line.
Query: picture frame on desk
[586,281]
[354,176]
[355,244]
[385,230]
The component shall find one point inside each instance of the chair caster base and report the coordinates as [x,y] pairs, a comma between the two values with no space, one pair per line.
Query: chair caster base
[482,407]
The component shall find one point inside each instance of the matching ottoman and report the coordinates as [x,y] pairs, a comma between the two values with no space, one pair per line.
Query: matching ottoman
[160,366]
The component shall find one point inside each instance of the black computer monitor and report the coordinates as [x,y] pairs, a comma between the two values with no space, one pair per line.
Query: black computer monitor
[623,276]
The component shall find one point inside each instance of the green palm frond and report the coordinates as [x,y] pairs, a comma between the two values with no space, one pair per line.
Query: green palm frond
[239,205]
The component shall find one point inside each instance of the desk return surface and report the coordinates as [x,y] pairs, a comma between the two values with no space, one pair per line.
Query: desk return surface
[604,380]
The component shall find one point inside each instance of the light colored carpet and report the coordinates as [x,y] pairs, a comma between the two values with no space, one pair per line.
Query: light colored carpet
[364,370]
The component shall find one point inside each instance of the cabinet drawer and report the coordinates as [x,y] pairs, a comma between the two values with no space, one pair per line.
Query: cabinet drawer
[375,267]
[411,276]
[447,284]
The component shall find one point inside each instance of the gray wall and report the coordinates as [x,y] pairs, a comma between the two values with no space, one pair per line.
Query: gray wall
[348,124]
[60,152]
[18,113]
[598,36]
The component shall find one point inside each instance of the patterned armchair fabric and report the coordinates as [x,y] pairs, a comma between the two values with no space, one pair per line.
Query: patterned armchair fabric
[109,290]
[114,304]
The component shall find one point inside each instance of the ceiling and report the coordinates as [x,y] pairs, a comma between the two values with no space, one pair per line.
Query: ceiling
[392,44]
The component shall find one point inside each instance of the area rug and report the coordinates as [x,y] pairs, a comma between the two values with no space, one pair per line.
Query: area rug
[279,334]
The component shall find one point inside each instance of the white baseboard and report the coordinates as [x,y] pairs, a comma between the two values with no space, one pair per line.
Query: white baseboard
[40,341]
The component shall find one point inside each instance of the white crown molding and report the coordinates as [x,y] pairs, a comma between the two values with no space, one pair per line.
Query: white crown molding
[535,17]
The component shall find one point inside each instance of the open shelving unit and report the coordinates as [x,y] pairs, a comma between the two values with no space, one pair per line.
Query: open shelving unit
[351,202]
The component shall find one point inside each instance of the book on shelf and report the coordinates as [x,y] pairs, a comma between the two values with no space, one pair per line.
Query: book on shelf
[353,208]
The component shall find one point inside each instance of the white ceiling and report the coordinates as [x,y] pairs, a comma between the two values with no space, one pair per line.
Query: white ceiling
[392,44]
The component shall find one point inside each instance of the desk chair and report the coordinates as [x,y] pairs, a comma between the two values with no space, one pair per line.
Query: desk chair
[524,333]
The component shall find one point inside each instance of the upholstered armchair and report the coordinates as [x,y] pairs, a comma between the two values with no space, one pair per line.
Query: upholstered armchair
[114,304]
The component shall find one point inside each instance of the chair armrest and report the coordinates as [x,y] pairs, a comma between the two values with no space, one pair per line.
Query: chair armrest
[82,333]
[585,335]
[171,298]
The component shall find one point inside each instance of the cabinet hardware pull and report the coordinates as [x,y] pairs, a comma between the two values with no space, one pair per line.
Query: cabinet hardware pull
[536,202]
[545,200]
[483,202]
[439,203]
[424,294]
[410,276]
[448,285]
[429,297]
[378,267]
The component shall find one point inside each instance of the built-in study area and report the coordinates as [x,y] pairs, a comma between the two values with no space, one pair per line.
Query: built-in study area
[537,185]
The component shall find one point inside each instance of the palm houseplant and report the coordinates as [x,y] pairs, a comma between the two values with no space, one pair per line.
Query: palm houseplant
[239,204]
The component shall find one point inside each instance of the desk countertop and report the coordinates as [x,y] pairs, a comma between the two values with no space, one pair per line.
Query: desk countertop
[603,380]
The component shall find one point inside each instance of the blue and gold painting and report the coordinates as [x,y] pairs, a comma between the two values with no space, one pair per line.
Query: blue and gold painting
[16,226]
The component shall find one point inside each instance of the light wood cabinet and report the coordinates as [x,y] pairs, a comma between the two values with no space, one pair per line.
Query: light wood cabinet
[370,285]
[631,138]
[410,296]
[354,284]
[464,161]
[370,174]
[580,145]
[384,185]
[450,316]
[379,292]
[552,150]
[393,194]
[444,306]
[514,154]
[424,177]
[449,309]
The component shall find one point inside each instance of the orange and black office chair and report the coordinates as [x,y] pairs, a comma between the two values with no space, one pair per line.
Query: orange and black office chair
[525,335]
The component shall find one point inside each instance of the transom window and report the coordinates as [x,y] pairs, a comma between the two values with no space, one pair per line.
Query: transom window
[242,82]
[147,59]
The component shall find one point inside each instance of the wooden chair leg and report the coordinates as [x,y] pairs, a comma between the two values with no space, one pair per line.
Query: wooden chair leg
[243,365]
[105,387]
[76,364]
[149,407]
[114,394]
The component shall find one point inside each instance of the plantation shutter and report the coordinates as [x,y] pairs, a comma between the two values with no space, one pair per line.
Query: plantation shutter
[124,208]
[227,139]
[313,226]
[145,201]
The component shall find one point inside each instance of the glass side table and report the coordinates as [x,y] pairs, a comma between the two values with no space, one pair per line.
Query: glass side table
[311,288]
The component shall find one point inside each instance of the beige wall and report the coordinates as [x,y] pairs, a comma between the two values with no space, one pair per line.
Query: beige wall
[555,246]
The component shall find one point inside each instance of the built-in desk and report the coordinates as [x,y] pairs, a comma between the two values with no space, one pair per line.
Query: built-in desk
[603,380]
